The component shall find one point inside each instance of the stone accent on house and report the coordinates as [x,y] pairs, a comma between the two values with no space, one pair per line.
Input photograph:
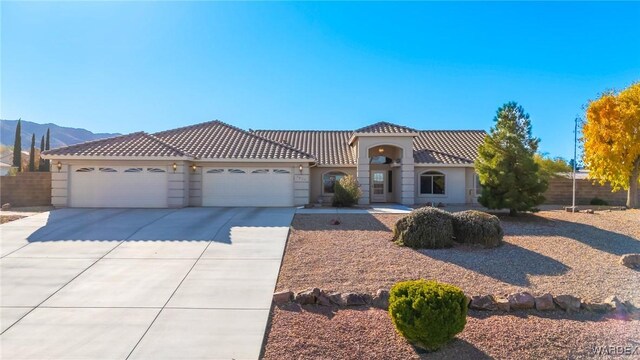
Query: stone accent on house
[561,189]
[28,189]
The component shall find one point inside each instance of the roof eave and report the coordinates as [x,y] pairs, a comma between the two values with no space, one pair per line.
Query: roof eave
[99,157]
[355,135]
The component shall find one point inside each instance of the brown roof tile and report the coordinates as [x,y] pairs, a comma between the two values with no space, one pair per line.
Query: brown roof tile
[139,144]
[329,147]
[447,147]
[384,127]
[217,140]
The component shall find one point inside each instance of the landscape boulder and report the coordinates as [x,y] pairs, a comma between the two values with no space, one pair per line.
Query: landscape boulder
[307,297]
[6,206]
[568,303]
[282,297]
[545,302]
[503,304]
[381,299]
[521,301]
[483,302]
[619,307]
[323,299]
[630,260]
[597,307]
[353,299]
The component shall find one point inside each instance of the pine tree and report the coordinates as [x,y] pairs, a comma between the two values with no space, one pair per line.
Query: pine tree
[32,154]
[41,164]
[47,163]
[506,166]
[17,147]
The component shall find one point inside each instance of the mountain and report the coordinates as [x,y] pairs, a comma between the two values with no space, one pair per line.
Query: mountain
[60,135]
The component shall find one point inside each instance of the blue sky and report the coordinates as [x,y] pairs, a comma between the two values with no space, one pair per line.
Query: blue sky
[123,67]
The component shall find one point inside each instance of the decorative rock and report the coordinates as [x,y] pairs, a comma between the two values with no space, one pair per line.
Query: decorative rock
[6,206]
[630,260]
[597,307]
[545,302]
[589,211]
[521,301]
[568,303]
[323,299]
[353,299]
[307,297]
[468,300]
[483,302]
[503,304]
[282,297]
[619,308]
[381,299]
[336,299]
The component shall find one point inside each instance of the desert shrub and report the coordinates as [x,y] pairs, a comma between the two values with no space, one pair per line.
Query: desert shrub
[427,313]
[346,192]
[477,227]
[598,201]
[424,228]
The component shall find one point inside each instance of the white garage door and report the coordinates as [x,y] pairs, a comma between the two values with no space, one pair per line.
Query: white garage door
[247,186]
[118,186]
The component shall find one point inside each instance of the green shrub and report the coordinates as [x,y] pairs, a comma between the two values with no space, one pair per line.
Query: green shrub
[477,227]
[425,228]
[598,201]
[346,192]
[427,313]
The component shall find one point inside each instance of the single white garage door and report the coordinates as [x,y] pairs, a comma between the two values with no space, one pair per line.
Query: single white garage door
[118,186]
[247,186]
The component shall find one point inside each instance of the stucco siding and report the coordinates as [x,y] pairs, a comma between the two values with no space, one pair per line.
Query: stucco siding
[315,181]
[455,185]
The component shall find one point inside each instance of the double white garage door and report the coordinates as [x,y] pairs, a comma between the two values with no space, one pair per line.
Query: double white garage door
[148,187]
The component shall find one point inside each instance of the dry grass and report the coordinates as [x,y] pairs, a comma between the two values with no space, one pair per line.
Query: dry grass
[552,251]
[6,218]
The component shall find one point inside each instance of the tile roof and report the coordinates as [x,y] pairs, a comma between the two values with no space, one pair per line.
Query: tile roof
[217,140]
[138,144]
[329,147]
[447,147]
[384,127]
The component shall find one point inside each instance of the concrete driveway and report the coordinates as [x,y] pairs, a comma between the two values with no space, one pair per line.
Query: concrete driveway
[192,283]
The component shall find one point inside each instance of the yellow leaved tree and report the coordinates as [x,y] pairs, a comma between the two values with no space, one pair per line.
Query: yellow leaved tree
[611,135]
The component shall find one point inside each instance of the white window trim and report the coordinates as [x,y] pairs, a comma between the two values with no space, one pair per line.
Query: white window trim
[446,185]
[322,180]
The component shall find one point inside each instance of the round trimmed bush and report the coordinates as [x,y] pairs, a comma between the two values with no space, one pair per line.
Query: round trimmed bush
[425,228]
[477,227]
[427,313]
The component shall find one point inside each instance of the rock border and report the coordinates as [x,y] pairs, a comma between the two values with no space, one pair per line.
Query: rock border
[520,301]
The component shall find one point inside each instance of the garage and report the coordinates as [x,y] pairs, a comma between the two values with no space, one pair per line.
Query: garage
[118,186]
[267,186]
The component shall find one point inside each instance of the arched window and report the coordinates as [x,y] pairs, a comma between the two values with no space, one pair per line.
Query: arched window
[329,181]
[432,183]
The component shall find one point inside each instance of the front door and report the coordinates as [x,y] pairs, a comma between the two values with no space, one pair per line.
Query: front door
[378,182]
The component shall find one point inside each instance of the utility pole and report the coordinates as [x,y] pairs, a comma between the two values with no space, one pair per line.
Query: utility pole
[575,162]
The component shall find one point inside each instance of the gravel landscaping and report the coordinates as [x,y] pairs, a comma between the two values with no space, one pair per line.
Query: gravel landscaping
[316,332]
[7,218]
[551,251]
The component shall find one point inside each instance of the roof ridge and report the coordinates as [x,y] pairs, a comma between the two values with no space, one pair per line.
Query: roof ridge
[379,123]
[95,141]
[191,126]
[266,130]
[285,145]
[166,144]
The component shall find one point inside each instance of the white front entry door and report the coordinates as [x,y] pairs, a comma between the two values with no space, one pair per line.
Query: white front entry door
[378,186]
[118,186]
[241,186]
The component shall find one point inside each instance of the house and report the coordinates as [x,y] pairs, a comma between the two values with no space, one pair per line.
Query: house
[216,164]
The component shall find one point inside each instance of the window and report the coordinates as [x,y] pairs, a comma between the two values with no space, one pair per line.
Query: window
[477,184]
[106,169]
[432,183]
[390,181]
[133,170]
[236,171]
[381,159]
[215,171]
[155,170]
[260,171]
[85,170]
[329,181]
[281,171]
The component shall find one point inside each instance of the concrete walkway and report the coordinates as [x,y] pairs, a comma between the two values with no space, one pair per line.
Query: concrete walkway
[375,209]
[192,283]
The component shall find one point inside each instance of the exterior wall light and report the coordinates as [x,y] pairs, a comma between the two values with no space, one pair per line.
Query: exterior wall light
[193,167]
[59,166]
[380,150]
[300,168]
[175,167]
